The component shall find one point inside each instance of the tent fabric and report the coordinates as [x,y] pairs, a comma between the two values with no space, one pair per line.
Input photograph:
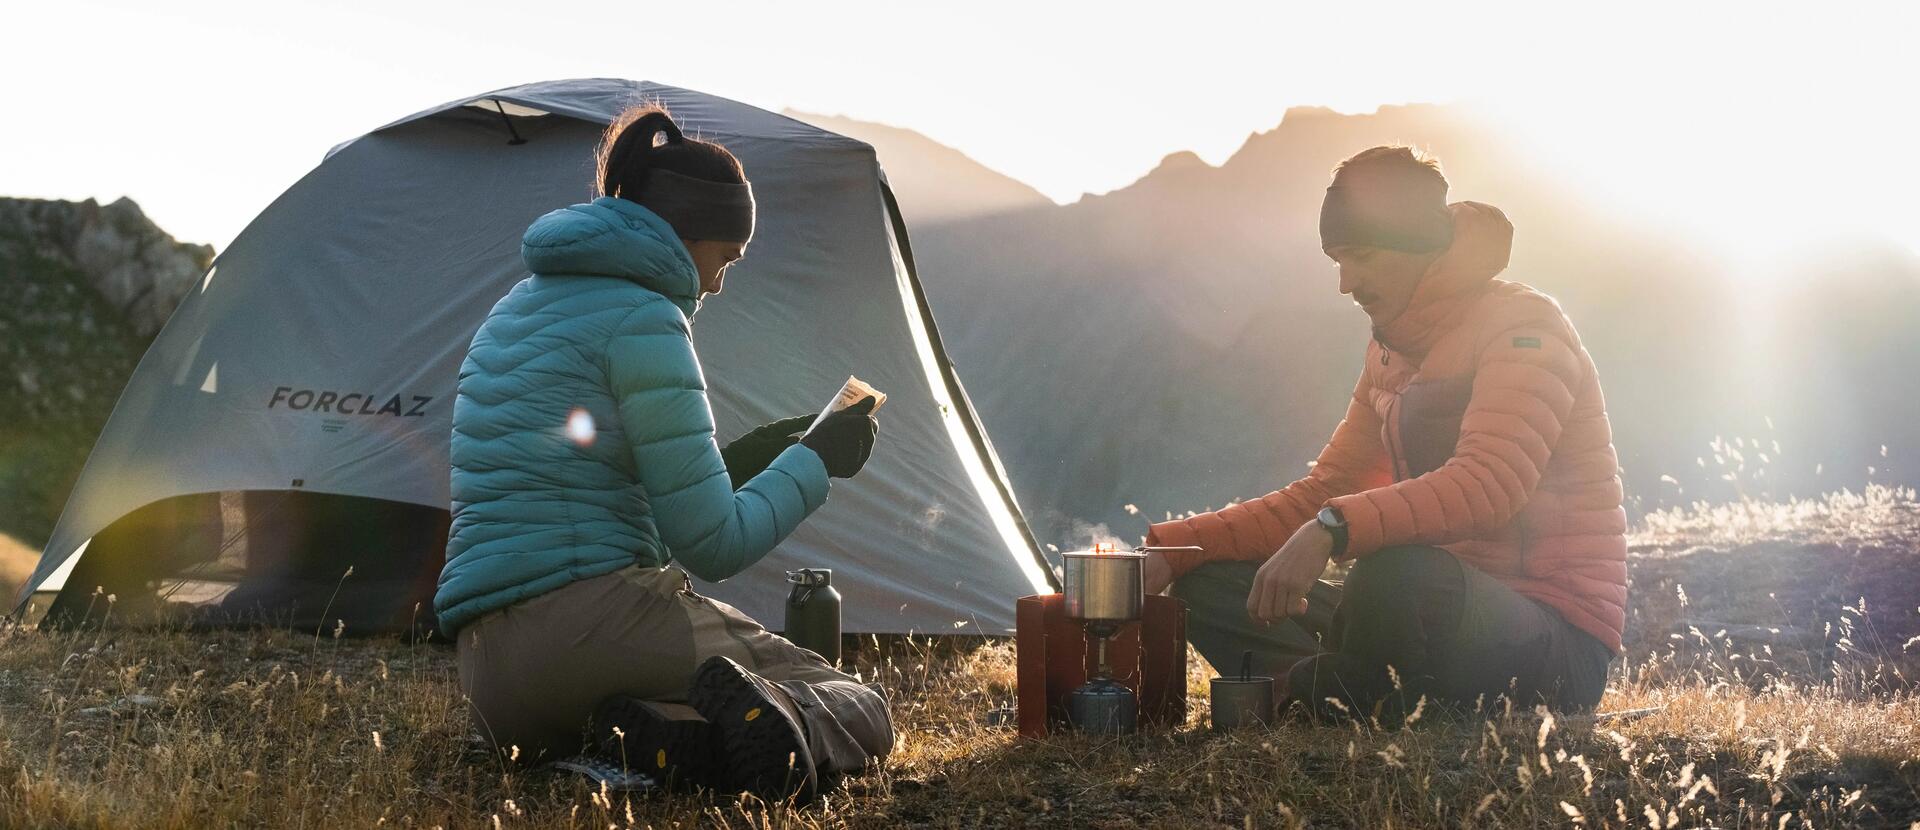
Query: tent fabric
[320,353]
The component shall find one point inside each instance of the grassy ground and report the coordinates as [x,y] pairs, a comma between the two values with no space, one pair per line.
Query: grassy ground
[16,564]
[1763,692]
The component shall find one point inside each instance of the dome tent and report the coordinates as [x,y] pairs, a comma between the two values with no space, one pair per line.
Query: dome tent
[281,450]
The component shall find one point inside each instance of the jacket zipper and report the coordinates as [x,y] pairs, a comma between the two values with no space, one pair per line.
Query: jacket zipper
[1392,426]
[1393,440]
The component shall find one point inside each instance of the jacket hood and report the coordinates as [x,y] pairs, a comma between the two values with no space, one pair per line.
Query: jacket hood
[1482,244]
[612,237]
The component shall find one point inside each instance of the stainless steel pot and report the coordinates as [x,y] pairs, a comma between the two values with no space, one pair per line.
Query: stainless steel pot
[1103,587]
[1106,586]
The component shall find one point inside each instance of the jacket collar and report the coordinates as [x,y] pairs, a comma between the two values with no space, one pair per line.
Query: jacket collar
[1482,244]
[613,237]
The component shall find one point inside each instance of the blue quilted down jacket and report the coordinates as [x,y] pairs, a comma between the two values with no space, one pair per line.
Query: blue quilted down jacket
[582,437]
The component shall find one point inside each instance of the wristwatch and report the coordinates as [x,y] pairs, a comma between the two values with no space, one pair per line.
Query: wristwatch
[1336,524]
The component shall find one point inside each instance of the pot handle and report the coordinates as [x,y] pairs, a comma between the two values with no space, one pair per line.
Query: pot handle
[1156,549]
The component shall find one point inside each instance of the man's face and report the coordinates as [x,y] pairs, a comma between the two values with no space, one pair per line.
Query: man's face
[1380,280]
[711,258]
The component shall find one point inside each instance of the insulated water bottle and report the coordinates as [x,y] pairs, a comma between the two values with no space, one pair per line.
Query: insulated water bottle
[813,613]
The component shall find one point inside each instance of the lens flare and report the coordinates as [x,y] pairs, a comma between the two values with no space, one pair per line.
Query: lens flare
[580,427]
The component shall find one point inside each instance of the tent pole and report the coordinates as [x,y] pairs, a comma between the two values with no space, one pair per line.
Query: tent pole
[516,140]
[963,406]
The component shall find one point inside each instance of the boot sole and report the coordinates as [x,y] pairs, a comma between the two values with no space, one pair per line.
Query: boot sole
[762,751]
[681,754]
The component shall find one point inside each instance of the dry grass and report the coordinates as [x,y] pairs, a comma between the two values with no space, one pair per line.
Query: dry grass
[275,729]
[1876,515]
[16,564]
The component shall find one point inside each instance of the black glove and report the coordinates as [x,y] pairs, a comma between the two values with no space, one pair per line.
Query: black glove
[749,455]
[844,439]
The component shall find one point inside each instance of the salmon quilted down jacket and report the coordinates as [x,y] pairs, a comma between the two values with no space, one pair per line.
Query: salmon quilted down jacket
[1477,426]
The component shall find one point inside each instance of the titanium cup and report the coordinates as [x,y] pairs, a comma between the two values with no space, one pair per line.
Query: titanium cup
[1241,702]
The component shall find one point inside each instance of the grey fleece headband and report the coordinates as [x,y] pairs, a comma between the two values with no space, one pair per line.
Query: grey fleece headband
[700,209]
[1386,209]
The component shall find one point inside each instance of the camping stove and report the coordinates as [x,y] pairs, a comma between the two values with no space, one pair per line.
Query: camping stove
[1103,589]
[1137,645]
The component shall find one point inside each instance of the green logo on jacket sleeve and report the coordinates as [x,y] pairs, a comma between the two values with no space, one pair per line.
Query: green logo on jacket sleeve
[1526,342]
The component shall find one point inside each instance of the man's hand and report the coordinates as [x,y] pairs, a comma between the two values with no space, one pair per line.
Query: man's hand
[1280,587]
[1155,573]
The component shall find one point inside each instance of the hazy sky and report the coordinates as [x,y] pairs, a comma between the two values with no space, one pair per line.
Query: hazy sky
[1755,121]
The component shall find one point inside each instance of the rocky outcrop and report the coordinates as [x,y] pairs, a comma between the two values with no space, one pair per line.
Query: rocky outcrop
[86,287]
[135,267]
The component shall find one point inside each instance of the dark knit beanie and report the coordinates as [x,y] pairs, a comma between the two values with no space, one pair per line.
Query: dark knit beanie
[1398,206]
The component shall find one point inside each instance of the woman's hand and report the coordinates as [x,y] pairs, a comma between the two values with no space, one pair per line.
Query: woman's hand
[750,454]
[844,439]
[1280,587]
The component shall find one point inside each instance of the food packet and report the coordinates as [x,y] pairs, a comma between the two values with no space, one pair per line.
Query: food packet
[852,392]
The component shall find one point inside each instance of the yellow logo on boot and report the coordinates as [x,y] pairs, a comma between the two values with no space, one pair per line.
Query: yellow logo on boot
[660,759]
[753,713]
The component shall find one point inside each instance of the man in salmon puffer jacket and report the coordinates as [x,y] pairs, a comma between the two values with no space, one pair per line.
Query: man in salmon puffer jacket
[1473,486]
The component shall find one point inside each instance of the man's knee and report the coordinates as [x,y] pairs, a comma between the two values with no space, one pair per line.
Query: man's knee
[1219,628]
[1380,580]
[1215,587]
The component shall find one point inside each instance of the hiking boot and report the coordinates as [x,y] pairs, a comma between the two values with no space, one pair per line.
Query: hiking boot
[663,740]
[762,741]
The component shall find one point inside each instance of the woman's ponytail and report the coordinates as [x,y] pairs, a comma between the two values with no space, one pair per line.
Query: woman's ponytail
[646,138]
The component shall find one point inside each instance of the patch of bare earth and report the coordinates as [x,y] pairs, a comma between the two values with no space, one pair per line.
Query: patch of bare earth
[286,729]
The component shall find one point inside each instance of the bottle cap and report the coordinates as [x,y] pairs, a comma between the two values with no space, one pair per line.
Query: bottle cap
[811,577]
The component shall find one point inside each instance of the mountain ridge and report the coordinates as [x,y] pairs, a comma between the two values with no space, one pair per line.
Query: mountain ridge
[1197,305]
[933,182]
[1179,342]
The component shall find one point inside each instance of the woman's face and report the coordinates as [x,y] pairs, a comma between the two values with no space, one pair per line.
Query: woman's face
[711,259]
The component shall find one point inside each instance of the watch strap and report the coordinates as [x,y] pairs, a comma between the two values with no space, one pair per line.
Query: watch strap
[1336,525]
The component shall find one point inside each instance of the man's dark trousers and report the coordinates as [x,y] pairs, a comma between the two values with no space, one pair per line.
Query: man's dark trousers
[1449,632]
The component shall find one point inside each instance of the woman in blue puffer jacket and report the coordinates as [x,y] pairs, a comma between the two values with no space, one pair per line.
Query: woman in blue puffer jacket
[586,476]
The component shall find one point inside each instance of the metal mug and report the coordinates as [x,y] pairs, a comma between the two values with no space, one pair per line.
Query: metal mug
[1241,702]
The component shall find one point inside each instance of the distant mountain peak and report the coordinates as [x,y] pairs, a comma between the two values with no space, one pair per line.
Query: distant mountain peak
[1182,160]
[1307,112]
[934,183]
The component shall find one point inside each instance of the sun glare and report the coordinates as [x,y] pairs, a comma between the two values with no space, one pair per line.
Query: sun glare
[580,427]
[1749,204]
